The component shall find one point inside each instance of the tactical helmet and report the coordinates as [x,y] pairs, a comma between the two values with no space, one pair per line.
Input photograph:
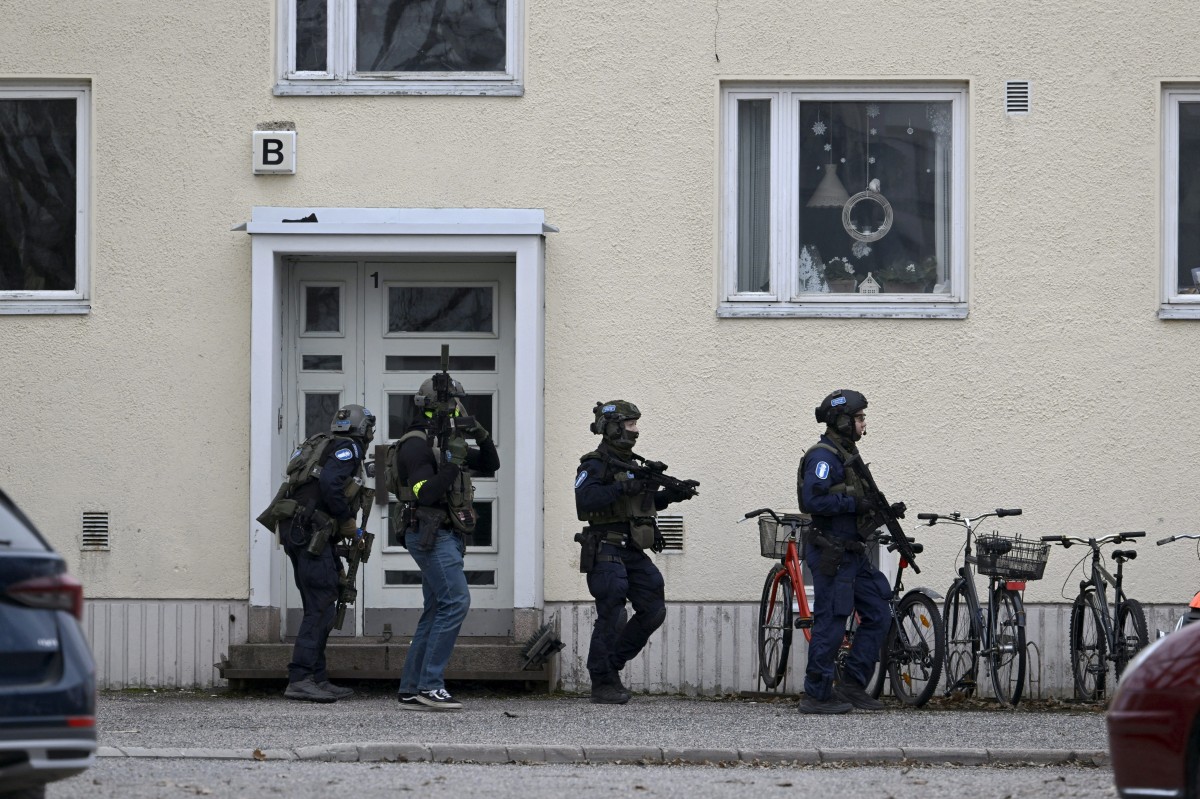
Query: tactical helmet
[838,409]
[610,422]
[426,397]
[354,420]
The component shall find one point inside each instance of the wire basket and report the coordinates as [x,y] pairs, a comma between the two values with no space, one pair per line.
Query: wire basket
[1023,560]
[773,536]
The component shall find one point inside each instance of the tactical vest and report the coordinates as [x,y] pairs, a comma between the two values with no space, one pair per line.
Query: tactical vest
[851,483]
[632,512]
[305,466]
[459,499]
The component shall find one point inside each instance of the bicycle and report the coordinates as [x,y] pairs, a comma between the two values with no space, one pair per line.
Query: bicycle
[998,636]
[1194,607]
[1100,637]
[915,644]
[782,609]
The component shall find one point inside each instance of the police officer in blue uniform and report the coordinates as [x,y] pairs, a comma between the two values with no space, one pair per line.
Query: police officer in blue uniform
[334,498]
[844,580]
[620,511]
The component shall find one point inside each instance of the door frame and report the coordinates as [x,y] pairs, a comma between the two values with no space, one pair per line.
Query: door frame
[277,233]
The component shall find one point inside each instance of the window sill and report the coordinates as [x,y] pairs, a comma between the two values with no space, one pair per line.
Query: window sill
[44,307]
[1171,310]
[312,88]
[850,309]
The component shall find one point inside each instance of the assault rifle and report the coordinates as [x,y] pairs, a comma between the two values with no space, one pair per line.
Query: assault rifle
[655,472]
[883,513]
[445,423]
[355,551]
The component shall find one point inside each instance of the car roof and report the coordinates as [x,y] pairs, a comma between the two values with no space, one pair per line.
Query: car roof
[8,504]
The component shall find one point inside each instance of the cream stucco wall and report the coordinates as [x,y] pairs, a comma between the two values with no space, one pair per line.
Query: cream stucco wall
[1061,392]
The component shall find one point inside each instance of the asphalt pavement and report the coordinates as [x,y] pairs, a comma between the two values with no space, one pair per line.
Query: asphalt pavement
[497,726]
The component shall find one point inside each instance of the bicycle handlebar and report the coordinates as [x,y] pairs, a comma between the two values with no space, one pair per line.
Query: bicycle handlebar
[759,512]
[1179,537]
[958,518]
[927,516]
[1115,538]
[1008,511]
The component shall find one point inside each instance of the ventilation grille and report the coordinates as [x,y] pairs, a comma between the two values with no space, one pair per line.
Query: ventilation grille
[95,529]
[1016,97]
[671,528]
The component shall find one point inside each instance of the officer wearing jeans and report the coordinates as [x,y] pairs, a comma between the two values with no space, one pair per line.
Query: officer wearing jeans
[620,511]
[431,476]
[844,580]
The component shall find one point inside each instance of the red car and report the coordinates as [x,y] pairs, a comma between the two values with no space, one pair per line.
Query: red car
[1154,720]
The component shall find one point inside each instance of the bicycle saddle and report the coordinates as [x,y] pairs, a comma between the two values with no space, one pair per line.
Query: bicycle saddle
[1125,554]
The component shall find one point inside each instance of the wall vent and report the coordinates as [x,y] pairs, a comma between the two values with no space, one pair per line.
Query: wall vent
[95,530]
[671,528]
[1016,97]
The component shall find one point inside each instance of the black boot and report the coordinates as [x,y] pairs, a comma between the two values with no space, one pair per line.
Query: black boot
[605,693]
[855,694]
[824,707]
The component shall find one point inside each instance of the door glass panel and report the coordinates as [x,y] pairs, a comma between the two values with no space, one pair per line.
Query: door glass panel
[433,363]
[402,412]
[410,577]
[321,363]
[318,412]
[322,309]
[440,309]
[482,536]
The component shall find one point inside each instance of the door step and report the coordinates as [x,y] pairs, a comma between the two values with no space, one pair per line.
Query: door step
[357,659]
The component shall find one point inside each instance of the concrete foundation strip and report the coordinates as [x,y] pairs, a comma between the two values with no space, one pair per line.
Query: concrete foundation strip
[382,752]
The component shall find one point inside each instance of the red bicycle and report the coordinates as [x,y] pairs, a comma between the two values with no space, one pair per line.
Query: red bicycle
[784,606]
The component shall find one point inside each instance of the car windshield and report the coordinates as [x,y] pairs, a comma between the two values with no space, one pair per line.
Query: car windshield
[15,535]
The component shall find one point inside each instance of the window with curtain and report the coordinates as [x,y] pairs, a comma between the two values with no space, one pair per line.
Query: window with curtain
[859,207]
[401,47]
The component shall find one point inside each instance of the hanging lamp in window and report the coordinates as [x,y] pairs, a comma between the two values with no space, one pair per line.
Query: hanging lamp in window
[830,192]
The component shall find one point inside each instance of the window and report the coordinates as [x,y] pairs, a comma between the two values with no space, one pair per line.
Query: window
[44,130]
[1181,205]
[401,47]
[843,201]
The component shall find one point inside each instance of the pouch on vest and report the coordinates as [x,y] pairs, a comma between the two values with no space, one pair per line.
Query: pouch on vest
[461,505]
[429,521]
[641,533]
[282,507]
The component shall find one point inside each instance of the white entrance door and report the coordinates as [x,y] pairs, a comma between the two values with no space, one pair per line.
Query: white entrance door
[371,331]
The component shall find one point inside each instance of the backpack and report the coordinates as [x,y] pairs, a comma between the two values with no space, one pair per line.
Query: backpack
[303,467]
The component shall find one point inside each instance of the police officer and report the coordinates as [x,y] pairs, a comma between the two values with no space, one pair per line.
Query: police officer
[433,477]
[620,511]
[329,505]
[844,581]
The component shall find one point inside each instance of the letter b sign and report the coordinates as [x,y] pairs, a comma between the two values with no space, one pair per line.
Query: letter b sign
[274,152]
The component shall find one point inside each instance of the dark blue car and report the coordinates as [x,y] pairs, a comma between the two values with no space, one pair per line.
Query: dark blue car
[47,676]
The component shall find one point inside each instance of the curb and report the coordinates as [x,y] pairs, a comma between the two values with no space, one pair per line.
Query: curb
[384,752]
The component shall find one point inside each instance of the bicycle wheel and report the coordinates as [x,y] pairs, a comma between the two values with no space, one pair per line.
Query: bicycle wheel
[775,627]
[1089,652]
[915,649]
[1131,633]
[1006,656]
[962,641]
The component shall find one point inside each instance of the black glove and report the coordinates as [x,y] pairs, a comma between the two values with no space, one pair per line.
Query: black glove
[633,487]
[898,509]
[865,506]
[456,451]
[660,543]
[478,432]
[677,495]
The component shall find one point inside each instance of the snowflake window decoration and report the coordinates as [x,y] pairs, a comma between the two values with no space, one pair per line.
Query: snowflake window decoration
[861,249]
[819,128]
[828,147]
[873,110]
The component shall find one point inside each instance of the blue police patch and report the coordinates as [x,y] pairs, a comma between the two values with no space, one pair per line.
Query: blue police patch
[822,470]
[579,480]
[608,409]
[838,401]
[343,454]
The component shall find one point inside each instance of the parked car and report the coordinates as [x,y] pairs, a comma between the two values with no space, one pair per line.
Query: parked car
[47,675]
[1154,720]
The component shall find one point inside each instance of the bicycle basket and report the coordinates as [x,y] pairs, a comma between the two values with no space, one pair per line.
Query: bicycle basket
[773,537]
[1023,560]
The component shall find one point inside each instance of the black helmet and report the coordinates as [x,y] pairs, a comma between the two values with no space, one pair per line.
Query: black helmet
[838,409]
[610,422]
[354,420]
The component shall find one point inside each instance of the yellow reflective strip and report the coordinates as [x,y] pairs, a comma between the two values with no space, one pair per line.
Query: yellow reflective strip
[417,488]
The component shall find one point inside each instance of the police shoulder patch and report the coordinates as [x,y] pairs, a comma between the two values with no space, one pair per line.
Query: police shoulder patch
[822,470]
[343,454]
[579,480]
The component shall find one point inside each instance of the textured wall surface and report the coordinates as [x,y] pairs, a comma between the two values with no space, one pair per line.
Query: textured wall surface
[1061,392]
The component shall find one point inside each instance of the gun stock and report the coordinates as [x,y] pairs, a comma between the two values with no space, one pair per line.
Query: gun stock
[884,514]
[357,551]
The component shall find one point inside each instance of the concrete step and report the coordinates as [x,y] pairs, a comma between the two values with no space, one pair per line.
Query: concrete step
[348,659]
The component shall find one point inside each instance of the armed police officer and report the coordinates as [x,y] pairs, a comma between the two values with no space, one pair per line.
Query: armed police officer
[844,580]
[326,477]
[619,493]
[430,473]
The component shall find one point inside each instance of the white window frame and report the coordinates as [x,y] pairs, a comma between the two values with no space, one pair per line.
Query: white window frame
[783,300]
[1173,305]
[342,79]
[75,301]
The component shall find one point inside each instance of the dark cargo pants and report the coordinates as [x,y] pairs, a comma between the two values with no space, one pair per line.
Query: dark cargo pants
[622,575]
[317,580]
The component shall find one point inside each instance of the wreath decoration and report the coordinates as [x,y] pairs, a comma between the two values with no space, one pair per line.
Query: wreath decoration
[862,196]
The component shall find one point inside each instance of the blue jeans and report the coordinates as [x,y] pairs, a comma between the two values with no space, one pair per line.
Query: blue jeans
[447,600]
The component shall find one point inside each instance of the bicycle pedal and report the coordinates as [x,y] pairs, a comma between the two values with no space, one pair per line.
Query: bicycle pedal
[804,624]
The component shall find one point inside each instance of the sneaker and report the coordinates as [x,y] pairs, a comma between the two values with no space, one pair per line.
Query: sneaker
[336,690]
[824,707]
[438,699]
[307,690]
[608,694]
[856,695]
[409,702]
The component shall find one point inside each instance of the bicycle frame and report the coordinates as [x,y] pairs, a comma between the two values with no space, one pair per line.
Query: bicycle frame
[987,624]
